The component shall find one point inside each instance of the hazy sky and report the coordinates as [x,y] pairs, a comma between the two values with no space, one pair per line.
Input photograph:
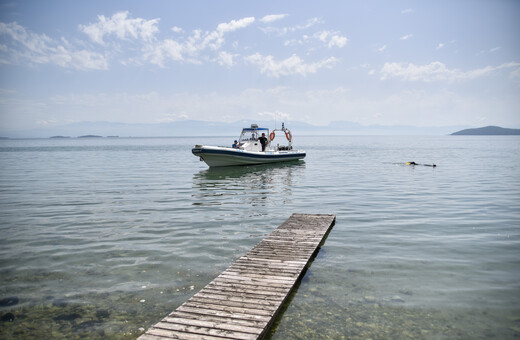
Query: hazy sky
[422,63]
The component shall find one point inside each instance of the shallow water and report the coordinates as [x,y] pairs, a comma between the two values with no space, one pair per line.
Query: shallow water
[103,237]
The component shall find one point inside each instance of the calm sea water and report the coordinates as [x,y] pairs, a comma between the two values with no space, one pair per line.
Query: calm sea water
[101,238]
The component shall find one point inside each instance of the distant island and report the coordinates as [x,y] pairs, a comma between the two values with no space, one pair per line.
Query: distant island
[487,131]
[60,137]
[90,136]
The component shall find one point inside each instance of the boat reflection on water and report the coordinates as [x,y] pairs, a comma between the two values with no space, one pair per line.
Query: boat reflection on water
[256,185]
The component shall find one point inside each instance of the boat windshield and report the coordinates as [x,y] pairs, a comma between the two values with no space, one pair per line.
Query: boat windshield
[252,134]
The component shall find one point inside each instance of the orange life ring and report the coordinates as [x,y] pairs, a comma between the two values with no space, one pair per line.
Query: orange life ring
[271,136]
[288,135]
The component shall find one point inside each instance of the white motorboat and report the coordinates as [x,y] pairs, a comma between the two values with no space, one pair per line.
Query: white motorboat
[248,149]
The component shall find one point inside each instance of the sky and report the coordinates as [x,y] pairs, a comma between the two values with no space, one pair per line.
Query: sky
[418,63]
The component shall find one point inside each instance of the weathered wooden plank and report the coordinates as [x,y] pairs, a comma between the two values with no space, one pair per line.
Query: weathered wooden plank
[269,264]
[215,311]
[149,336]
[252,285]
[243,300]
[232,307]
[171,334]
[276,260]
[262,269]
[246,289]
[214,318]
[266,304]
[257,294]
[205,330]
[256,279]
[240,297]
[229,310]
[260,276]
[275,263]
[213,324]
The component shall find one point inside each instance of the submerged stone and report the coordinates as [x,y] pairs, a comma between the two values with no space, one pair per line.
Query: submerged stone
[397,298]
[59,303]
[88,324]
[102,314]
[8,317]
[9,301]
[369,299]
[67,317]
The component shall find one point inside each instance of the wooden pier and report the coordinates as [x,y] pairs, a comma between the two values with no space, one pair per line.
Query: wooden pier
[242,302]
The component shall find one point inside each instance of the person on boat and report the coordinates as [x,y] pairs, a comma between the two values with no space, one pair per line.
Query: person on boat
[263,141]
[235,144]
[413,163]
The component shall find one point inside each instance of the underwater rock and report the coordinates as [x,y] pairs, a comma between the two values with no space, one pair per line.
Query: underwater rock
[10,301]
[8,317]
[67,317]
[397,298]
[102,314]
[370,299]
[406,292]
[59,303]
[87,325]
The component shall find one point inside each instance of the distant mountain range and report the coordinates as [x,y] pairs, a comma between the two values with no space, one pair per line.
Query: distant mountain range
[204,128]
[487,130]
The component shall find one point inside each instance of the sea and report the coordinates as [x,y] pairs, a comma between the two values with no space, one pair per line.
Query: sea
[103,237]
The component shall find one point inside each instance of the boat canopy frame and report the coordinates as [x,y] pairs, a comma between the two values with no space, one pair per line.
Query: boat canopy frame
[255,133]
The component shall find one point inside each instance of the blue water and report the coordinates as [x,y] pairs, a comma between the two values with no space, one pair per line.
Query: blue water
[101,238]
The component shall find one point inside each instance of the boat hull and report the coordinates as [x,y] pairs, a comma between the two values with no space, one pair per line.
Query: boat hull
[215,156]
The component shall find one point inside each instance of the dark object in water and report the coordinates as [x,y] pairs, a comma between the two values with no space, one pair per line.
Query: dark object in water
[88,325]
[102,314]
[8,317]
[10,301]
[67,317]
[413,163]
[59,303]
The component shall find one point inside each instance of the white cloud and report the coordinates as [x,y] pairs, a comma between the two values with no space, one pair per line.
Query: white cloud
[135,41]
[25,46]
[189,49]
[437,71]
[407,11]
[290,66]
[225,59]
[273,17]
[331,39]
[215,39]
[234,25]
[441,45]
[122,27]
[382,48]
[160,52]
[285,30]
[406,37]
[278,115]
